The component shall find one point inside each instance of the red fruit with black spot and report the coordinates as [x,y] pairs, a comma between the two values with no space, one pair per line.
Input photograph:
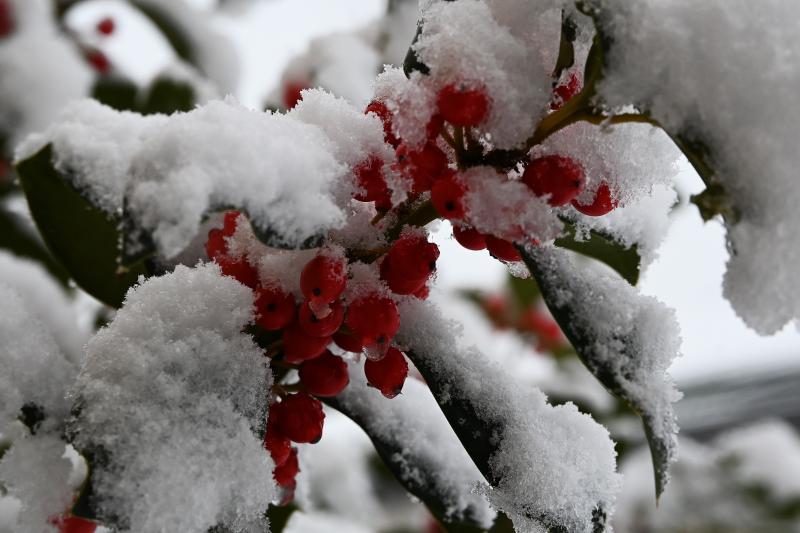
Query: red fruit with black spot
[383,113]
[299,346]
[106,26]
[462,106]
[275,443]
[321,327]
[447,196]
[348,342]
[285,473]
[409,264]
[565,91]
[502,249]
[423,166]
[292,93]
[323,279]
[324,376]
[374,319]
[275,308]
[299,417]
[388,374]
[371,181]
[469,238]
[556,177]
[74,524]
[602,204]
[240,269]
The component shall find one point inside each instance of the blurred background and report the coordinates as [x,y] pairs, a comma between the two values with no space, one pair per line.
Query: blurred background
[740,456]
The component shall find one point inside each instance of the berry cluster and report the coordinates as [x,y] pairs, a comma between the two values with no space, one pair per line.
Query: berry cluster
[324,314]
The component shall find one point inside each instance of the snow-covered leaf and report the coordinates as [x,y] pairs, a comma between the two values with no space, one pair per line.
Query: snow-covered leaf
[625,260]
[625,339]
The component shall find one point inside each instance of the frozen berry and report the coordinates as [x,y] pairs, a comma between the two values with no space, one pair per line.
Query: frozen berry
[106,26]
[292,93]
[383,113]
[230,221]
[602,204]
[374,319]
[216,245]
[565,91]
[323,279]
[299,417]
[388,374]
[447,196]
[286,472]
[469,238]
[98,61]
[423,166]
[557,177]
[324,376]
[462,106]
[348,342]
[275,443]
[274,308]
[321,327]
[409,263]
[74,524]
[372,183]
[240,269]
[299,346]
[6,19]
[502,249]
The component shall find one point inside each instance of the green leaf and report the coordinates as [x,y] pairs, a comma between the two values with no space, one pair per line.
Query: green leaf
[165,95]
[524,290]
[15,237]
[84,239]
[279,516]
[118,93]
[570,300]
[626,261]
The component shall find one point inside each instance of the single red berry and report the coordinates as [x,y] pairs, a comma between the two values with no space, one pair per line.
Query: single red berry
[292,93]
[7,24]
[106,26]
[98,61]
[423,292]
[565,91]
[230,221]
[497,309]
[275,443]
[383,113]
[469,238]
[323,279]
[286,472]
[502,249]
[240,269]
[559,178]
[299,417]
[374,319]
[299,346]
[370,179]
[274,308]
[462,106]
[434,126]
[447,196]
[324,376]
[388,374]
[321,327]
[216,245]
[546,329]
[602,204]
[409,263]
[348,342]
[423,167]
[74,524]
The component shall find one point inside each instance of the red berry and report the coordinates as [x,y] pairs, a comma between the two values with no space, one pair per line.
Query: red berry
[106,26]
[424,166]
[388,374]
[348,342]
[447,196]
[497,309]
[216,245]
[292,93]
[299,346]
[74,524]
[423,292]
[383,113]
[544,327]
[299,417]
[434,126]
[461,106]
[502,249]
[6,19]
[323,279]
[240,269]
[286,472]
[375,319]
[602,204]
[274,307]
[275,443]
[469,238]
[560,178]
[98,61]
[370,179]
[230,221]
[324,376]
[564,92]
[321,327]
[409,263]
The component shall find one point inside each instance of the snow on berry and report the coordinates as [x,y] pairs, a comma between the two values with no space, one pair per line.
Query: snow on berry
[461,105]
[411,102]
[387,374]
[602,204]
[299,417]
[326,375]
[321,326]
[382,112]
[469,238]
[558,179]
[173,382]
[324,278]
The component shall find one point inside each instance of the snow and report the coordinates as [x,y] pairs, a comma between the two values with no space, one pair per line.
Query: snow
[705,70]
[173,396]
[551,465]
